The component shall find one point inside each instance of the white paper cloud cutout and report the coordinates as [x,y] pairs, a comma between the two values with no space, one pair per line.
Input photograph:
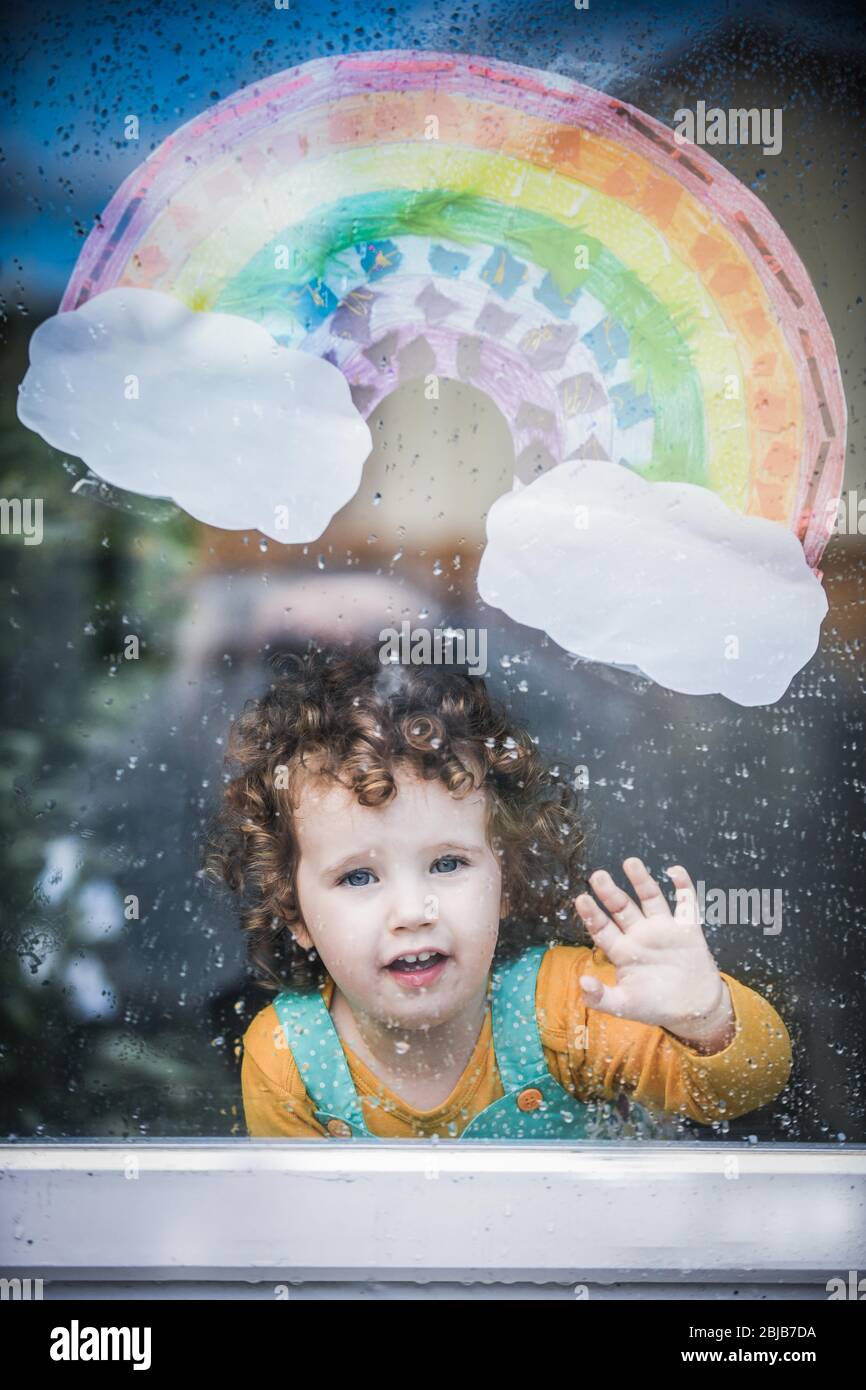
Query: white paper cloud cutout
[203,408]
[663,577]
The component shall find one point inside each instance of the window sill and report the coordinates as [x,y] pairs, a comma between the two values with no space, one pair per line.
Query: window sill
[273,1209]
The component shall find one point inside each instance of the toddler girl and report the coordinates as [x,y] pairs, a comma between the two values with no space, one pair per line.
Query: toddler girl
[405,863]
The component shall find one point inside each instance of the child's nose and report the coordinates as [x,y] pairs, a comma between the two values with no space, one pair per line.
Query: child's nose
[414,905]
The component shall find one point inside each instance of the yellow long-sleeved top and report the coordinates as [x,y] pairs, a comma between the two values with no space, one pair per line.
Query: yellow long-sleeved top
[591,1054]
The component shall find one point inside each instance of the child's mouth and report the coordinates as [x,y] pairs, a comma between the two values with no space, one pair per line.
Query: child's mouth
[416,971]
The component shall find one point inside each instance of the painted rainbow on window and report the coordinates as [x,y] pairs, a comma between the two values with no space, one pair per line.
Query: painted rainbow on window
[618,294]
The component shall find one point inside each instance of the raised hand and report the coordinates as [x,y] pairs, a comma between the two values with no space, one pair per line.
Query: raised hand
[665,974]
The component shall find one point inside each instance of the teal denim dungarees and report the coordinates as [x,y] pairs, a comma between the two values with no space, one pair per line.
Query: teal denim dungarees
[534,1106]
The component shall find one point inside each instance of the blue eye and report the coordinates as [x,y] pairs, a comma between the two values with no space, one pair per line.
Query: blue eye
[451,859]
[353,873]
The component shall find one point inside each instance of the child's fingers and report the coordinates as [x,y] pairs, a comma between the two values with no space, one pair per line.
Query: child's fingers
[609,999]
[623,909]
[603,931]
[652,899]
[686,909]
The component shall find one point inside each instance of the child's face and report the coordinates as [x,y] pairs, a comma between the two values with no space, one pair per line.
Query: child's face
[414,875]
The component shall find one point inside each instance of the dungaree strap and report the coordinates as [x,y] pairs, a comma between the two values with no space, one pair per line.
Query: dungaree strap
[315,1044]
[516,1039]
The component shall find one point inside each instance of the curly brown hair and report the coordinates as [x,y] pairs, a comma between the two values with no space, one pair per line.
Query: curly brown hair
[341,714]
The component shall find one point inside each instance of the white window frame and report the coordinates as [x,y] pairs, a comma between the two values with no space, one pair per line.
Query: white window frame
[305,1210]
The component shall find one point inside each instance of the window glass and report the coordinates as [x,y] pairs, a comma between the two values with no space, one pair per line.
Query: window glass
[135,633]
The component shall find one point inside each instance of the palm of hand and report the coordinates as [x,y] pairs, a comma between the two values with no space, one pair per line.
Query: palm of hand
[665,974]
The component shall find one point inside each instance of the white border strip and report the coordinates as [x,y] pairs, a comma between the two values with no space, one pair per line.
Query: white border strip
[276,1209]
